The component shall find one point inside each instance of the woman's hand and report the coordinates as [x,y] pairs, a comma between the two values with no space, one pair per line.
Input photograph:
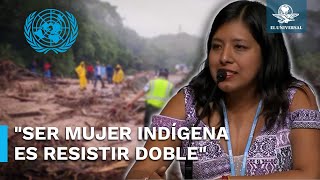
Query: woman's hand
[159,173]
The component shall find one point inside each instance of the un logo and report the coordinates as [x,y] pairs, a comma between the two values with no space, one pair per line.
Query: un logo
[51,30]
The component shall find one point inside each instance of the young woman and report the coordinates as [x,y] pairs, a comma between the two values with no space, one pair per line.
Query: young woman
[258,96]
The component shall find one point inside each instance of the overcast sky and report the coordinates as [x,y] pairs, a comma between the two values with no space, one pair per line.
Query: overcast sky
[150,18]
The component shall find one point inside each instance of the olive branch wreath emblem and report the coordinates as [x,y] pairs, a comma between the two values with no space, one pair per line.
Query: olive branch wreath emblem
[37,47]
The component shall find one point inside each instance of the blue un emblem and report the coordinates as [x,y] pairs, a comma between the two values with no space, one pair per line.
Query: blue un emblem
[51,30]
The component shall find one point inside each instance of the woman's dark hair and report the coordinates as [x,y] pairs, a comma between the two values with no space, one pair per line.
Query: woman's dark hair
[274,77]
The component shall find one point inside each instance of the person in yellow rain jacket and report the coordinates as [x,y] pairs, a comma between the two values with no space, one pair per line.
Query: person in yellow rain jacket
[118,75]
[81,72]
[157,92]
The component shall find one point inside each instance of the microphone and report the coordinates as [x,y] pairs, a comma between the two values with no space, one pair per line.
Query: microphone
[221,76]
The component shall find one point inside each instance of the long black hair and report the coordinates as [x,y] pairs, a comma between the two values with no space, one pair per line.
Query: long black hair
[274,77]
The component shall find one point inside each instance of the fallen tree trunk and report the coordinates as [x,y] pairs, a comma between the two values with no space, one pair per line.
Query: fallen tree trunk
[23,99]
[24,114]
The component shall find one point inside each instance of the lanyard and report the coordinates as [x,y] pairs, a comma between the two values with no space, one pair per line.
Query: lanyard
[232,166]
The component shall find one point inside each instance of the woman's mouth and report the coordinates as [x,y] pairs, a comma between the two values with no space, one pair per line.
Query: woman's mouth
[230,74]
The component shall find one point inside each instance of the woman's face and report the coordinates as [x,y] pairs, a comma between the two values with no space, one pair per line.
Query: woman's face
[235,50]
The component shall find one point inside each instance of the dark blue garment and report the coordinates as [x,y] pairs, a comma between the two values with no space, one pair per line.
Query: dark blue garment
[47,74]
[109,71]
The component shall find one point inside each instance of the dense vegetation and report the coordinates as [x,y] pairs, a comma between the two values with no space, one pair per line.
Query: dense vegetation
[102,37]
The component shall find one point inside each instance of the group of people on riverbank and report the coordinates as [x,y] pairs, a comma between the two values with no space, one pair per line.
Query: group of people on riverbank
[98,73]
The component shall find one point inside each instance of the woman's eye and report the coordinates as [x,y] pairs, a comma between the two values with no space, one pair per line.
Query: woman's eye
[215,46]
[241,47]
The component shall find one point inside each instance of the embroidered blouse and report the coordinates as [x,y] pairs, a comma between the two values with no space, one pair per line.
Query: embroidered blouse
[269,152]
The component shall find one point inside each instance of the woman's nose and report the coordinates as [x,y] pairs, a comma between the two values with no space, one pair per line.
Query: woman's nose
[226,55]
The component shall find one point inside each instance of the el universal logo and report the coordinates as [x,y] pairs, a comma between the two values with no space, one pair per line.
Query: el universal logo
[287,19]
[285,14]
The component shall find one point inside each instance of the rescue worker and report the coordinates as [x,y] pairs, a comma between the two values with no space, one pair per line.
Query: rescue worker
[81,72]
[98,75]
[109,70]
[90,73]
[47,71]
[157,92]
[118,75]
